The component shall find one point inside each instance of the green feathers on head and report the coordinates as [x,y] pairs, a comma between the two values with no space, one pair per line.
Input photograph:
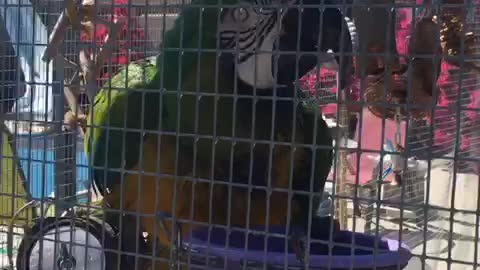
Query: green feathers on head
[195,28]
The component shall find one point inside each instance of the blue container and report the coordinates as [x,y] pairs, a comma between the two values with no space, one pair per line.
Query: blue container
[37,157]
[389,253]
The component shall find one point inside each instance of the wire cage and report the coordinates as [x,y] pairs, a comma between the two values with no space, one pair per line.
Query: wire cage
[423,147]
[394,197]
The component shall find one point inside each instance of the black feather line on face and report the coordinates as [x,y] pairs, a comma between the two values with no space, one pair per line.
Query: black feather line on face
[266,28]
[232,32]
[227,43]
[248,36]
[249,44]
[248,40]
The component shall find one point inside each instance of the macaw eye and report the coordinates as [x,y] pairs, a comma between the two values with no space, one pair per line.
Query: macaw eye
[240,14]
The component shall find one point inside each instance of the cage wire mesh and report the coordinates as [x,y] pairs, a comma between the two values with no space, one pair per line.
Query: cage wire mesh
[428,152]
[53,164]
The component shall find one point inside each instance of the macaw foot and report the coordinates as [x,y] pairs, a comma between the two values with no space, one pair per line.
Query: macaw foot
[75,121]
[320,230]
[298,243]
[321,227]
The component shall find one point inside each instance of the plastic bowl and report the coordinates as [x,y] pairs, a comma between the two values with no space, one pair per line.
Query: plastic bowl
[271,251]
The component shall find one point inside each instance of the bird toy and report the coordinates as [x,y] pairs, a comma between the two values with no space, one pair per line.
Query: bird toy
[432,37]
[451,31]
[397,165]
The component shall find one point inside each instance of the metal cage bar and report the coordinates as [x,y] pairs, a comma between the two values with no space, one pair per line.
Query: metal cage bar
[243,169]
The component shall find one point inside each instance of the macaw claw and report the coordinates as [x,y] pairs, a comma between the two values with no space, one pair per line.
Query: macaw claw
[75,121]
[298,244]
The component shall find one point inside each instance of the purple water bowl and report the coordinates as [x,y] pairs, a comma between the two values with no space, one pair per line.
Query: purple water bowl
[266,250]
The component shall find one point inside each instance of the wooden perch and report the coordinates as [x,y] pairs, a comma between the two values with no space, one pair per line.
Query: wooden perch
[88,68]
[65,62]
[71,93]
[91,69]
[81,17]
[88,28]
[71,11]
[106,49]
[56,38]
[76,114]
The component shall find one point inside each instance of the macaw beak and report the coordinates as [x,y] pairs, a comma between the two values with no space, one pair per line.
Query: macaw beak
[306,40]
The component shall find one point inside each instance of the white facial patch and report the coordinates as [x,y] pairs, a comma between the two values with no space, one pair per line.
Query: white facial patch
[257,70]
[253,32]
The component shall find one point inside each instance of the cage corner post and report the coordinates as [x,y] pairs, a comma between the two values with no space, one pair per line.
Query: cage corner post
[64,152]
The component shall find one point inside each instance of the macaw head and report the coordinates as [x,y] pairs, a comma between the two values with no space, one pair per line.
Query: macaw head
[248,34]
[249,31]
[255,29]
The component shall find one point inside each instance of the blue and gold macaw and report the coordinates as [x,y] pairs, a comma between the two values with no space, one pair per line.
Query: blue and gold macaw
[197,135]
